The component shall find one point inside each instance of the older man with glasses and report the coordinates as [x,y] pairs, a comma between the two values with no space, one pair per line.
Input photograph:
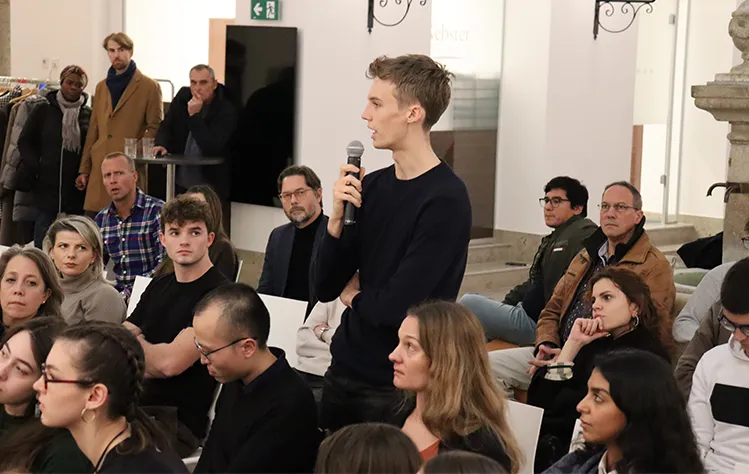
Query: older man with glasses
[620,240]
[513,320]
[266,417]
[291,247]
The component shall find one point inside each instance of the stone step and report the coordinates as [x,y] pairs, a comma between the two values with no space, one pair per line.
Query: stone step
[488,251]
[670,234]
[670,252]
[491,278]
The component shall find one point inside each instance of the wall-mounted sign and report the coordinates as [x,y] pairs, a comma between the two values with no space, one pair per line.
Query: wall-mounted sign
[265,10]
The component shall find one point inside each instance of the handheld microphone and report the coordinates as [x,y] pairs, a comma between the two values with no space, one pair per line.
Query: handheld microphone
[354,150]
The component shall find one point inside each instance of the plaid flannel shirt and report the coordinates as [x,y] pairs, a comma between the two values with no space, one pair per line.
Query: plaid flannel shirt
[133,243]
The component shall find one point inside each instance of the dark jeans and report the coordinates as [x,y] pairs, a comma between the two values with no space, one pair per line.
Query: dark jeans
[44,219]
[346,401]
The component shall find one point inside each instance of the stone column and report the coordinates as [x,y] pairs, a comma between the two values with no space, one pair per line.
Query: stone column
[727,99]
[4,37]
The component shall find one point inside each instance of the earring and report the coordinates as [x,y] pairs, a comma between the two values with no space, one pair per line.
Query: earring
[636,321]
[37,411]
[83,415]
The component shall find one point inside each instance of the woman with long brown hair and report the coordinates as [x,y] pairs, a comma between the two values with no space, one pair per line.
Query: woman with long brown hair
[624,316]
[454,403]
[25,444]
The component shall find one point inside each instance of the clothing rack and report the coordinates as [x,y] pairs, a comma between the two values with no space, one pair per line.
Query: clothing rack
[8,81]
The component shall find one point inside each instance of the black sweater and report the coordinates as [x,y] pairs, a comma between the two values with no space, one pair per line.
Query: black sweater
[559,399]
[268,425]
[410,244]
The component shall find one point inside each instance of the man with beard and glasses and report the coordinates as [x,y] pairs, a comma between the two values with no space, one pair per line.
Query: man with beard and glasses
[178,391]
[288,256]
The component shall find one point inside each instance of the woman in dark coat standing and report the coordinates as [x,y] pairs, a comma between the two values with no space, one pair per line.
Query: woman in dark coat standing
[51,146]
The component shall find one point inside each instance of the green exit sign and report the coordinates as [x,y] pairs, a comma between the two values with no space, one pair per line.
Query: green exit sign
[265,10]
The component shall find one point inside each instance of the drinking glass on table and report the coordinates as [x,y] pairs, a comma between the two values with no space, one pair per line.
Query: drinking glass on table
[131,147]
[147,145]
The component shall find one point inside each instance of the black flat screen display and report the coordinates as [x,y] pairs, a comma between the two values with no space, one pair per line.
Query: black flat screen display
[260,77]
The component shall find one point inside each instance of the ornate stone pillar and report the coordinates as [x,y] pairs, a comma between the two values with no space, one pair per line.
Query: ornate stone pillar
[4,37]
[727,99]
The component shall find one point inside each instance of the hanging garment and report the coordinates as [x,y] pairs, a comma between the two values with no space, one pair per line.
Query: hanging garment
[10,95]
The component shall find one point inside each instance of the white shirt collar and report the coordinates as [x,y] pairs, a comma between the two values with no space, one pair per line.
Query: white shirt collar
[603,252]
[602,466]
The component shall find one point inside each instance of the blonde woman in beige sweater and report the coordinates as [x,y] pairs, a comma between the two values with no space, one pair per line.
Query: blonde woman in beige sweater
[74,245]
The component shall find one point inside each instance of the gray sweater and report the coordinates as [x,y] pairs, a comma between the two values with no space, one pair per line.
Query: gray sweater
[90,298]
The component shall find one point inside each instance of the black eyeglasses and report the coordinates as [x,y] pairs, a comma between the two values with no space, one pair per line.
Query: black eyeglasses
[732,327]
[745,241]
[48,380]
[208,353]
[555,201]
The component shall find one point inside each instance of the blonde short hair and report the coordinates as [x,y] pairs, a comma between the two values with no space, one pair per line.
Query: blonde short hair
[88,230]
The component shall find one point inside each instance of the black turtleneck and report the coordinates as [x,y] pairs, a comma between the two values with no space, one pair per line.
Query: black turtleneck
[297,281]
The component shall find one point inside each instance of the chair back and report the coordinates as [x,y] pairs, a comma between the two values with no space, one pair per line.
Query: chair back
[525,422]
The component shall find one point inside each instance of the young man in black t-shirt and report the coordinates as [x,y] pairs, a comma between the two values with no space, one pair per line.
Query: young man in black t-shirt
[409,244]
[178,390]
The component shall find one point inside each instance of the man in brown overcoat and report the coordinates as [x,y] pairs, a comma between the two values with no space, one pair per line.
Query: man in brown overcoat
[127,104]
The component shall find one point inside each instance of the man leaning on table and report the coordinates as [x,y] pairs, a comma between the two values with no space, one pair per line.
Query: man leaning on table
[200,122]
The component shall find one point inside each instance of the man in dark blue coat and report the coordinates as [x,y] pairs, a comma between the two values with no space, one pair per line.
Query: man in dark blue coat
[291,247]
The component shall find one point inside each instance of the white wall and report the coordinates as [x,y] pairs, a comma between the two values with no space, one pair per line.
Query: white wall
[335,50]
[566,107]
[704,154]
[70,31]
[171,36]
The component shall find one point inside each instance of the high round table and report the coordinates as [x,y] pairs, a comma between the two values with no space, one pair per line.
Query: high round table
[171,161]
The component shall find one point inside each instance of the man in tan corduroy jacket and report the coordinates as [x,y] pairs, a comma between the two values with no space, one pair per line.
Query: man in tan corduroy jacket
[127,104]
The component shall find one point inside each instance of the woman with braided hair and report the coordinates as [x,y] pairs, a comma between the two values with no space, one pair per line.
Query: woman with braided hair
[26,445]
[91,384]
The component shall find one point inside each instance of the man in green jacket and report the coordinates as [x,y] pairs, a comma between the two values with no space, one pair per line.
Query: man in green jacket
[514,319]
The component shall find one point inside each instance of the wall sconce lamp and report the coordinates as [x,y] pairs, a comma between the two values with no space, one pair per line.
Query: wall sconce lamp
[628,8]
[371,18]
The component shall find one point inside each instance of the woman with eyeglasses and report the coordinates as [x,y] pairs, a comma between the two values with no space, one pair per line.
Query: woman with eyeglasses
[222,253]
[26,445]
[28,287]
[624,316]
[90,385]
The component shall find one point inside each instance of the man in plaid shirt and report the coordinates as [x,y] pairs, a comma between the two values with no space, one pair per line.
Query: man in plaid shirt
[130,224]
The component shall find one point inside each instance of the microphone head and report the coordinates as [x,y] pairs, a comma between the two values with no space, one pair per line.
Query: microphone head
[355,149]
